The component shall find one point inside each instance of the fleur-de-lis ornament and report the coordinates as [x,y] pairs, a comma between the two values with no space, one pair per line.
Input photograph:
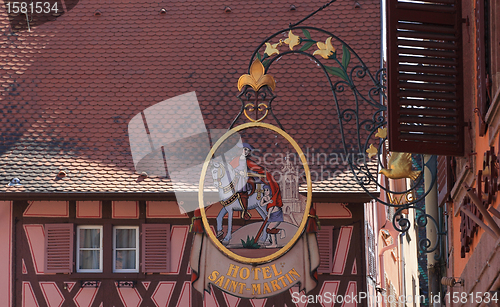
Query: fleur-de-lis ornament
[256,79]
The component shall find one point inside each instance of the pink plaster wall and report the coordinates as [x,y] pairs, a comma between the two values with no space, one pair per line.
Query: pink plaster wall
[178,238]
[351,291]
[29,299]
[209,300]
[258,302]
[36,240]
[342,250]
[333,211]
[52,294]
[185,297]
[295,289]
[130,297]
[5,253]
[163,209]
[231,301]
[47,209]
[88,209]
[163,292]
[125,210]
[85,296]
[329,286]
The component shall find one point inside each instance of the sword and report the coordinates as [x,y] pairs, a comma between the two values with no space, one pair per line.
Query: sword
[261,229]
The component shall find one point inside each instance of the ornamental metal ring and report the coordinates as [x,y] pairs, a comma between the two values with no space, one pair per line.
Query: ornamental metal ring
[303,223]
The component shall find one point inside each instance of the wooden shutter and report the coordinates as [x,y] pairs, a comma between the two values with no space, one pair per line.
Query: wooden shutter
[424,66]
[156,248]
[372,260]
[481,63]
[325,241]
[444,179]
[59,248]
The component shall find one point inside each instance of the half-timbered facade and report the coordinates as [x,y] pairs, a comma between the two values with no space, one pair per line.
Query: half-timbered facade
[45,278]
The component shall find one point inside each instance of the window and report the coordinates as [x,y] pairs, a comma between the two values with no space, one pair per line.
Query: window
[125,249]
[89,249]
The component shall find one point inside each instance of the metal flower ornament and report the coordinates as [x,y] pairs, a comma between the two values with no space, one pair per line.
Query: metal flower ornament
[292,40]
[325,49]
[272,49]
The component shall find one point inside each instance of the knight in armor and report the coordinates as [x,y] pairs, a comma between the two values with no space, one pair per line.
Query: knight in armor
[248,175]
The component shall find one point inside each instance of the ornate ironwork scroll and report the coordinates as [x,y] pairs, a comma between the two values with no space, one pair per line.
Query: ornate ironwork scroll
[348,78]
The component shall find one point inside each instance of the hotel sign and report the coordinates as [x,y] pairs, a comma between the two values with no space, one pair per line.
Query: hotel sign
[275,246]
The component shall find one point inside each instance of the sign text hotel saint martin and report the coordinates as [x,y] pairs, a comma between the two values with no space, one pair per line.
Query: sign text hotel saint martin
[276,247]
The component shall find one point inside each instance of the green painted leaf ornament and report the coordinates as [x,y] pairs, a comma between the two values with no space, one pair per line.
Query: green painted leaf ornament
[306,46]
[346,56]
[306,33]
[336,72]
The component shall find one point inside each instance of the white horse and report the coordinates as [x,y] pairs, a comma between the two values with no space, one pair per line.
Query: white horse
[226,180]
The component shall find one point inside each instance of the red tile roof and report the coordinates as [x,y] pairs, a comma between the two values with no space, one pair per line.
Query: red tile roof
[70,86]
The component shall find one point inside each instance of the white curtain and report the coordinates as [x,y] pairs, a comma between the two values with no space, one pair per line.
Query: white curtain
[90,249]
[125,249]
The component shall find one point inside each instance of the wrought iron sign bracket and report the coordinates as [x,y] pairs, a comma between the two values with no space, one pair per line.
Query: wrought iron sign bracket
[402,224]
[347,76]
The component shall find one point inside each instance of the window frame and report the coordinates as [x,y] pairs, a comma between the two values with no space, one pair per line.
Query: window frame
[137,249]
[101,250]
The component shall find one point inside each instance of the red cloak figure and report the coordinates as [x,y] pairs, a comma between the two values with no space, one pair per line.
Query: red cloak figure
[255,173]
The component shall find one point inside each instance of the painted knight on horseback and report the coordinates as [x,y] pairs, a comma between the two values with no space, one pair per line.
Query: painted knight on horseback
[249,175]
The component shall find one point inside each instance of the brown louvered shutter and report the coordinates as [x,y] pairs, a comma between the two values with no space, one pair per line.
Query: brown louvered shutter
[372,260]
[325,241]
[59,248]
[481,65]
[155,248]
[424,67]
[444,179]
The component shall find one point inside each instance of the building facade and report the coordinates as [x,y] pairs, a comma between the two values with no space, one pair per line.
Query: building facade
[443,100]
[472,248]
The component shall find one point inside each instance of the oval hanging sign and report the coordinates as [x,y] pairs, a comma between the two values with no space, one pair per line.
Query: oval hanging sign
[254,172]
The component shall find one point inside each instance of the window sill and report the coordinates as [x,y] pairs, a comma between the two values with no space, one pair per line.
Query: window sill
[101,276]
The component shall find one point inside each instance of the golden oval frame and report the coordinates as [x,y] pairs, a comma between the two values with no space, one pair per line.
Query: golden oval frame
[303,223]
